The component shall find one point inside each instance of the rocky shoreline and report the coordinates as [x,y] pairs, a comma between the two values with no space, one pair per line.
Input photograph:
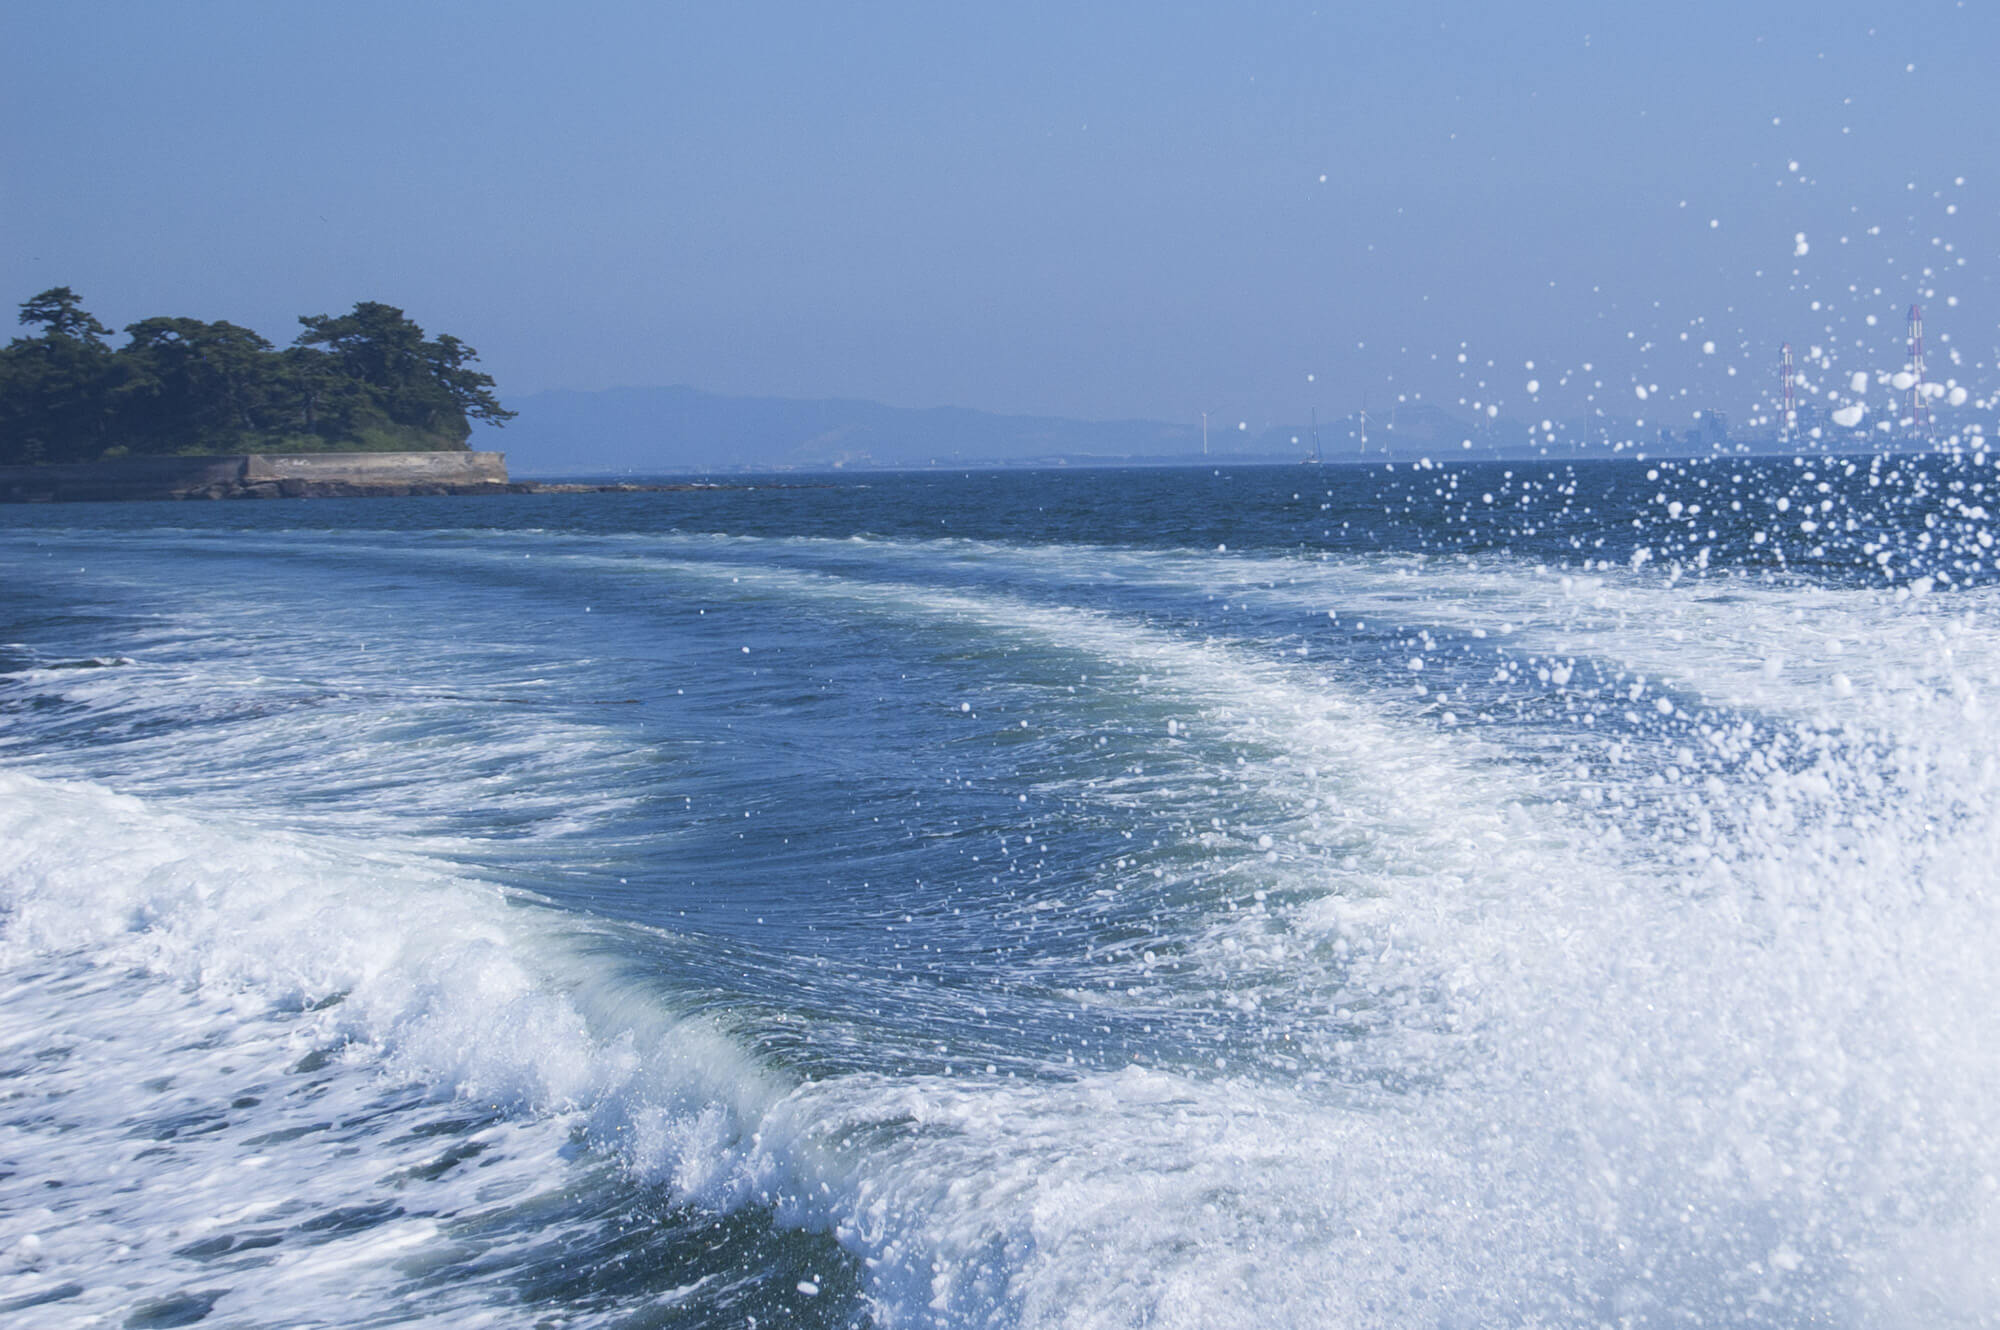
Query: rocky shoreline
[290,476]
[335,489]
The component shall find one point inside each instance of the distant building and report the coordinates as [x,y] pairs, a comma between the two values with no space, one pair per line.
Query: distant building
[1710,432]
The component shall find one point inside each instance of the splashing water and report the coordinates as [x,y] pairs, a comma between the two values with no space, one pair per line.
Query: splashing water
[1062,921]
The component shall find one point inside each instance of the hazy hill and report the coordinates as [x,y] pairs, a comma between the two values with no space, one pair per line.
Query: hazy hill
[684,429]
[666,430]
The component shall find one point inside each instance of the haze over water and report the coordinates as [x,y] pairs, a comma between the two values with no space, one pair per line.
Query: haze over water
[1307,896]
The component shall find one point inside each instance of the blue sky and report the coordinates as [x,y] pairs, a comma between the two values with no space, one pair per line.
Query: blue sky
[1091,210]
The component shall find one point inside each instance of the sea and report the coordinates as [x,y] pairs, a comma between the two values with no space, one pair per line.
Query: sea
[1413,894]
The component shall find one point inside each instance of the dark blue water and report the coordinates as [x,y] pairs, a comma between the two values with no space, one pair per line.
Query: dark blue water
[1499,894]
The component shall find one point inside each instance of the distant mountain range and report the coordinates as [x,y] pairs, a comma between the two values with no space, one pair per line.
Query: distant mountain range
[684,430]
[678,430]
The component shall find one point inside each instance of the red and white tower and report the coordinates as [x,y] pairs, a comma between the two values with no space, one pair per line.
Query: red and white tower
[1920,405]
[1789,421]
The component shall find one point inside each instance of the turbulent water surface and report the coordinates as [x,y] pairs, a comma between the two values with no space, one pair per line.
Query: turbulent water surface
[1321,896]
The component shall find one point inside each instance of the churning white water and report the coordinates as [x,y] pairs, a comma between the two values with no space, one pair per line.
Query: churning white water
[1013,929]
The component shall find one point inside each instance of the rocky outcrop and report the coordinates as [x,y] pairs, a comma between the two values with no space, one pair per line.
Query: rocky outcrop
[259,476]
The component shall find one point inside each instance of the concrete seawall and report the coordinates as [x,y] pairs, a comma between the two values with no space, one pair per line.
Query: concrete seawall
[257,476]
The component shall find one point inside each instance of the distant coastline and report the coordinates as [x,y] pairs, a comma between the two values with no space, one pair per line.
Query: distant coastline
[688,431]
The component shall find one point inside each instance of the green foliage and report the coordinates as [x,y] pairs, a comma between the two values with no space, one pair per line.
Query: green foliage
[54,389]
[365,381]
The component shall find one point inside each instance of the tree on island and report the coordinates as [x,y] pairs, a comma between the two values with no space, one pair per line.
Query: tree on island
[368,380]
[53,402]
[422,383]
[182,384]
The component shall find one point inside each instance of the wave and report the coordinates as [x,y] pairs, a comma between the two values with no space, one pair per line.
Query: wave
[1481,1030]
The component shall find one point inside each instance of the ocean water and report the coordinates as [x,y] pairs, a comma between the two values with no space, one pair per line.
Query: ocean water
[1414,896]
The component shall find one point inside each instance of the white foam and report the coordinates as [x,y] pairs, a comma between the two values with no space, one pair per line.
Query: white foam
[1688,1066]
[1701,1058]
[1746,1064]
[447,984]
[1712,638]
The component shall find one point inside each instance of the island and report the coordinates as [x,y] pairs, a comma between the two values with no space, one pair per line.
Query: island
[364,403]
